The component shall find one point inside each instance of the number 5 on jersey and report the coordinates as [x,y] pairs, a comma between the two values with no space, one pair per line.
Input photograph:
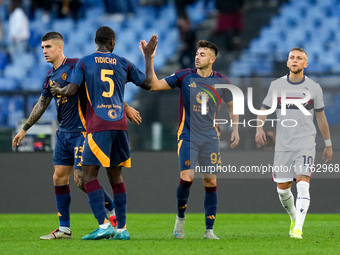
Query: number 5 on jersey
[103,77]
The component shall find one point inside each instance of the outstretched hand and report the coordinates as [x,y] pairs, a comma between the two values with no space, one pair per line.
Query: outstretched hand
[149,49]
[54,87]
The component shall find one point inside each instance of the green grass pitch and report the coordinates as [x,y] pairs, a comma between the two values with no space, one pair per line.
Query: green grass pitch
[152,234]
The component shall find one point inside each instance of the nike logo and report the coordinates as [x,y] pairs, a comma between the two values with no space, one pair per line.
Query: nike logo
[100,234]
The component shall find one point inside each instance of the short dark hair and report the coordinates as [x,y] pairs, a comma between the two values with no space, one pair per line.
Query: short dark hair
[52,35]
[298,49]
[104,35]
[207,44]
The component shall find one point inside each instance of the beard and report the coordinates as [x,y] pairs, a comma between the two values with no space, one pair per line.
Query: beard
[299,70]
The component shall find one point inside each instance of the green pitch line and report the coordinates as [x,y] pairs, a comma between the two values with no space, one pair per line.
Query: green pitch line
[152,234]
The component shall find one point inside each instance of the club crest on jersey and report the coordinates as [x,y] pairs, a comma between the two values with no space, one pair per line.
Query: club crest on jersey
[112,114]
[210,92]
[187,162]
[199,96]
[64,76]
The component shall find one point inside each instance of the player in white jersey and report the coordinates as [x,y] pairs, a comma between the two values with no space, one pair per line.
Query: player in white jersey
[294,157]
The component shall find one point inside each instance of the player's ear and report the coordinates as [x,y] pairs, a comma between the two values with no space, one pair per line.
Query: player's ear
[306,64]
[113,42]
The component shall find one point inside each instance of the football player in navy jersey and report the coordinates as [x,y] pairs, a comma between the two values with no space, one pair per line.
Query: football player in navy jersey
[106,144]
[198,138]
[70,134]
[295,145]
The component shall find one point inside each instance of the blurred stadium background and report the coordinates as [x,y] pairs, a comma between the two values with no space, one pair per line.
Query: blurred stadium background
[270,29]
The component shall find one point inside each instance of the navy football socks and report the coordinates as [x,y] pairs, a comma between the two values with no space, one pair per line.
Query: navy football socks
[63,200]
[183,191]
[120,202]
[210,206]
[96,199]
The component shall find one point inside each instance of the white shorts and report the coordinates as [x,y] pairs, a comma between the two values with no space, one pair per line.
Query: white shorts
[289,164]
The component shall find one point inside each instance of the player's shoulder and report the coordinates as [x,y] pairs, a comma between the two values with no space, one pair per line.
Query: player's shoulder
[222,76]
[281,79]
[71,62]
[49,71]
[185,72]
[311,81]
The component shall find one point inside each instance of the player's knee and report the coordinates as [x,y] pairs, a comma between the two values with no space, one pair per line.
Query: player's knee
[59,180]
[285,185]
[303,178]
[187,175]
[209,182]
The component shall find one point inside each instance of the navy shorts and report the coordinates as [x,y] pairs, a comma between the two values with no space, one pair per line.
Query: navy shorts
[68,149]
[107,148]
[205,153]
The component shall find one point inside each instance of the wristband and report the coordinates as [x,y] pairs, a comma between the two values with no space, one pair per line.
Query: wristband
[328,142]
[26,126]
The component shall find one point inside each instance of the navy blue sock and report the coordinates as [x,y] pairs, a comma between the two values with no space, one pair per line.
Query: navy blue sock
[183,191]
[96,199]
[63,200]
[120,201]
[109,205]
[210,206]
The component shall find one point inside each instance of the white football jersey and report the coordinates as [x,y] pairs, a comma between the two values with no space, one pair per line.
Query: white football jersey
[295,130]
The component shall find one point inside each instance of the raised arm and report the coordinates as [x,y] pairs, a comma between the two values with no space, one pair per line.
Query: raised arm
[324,129]
[37,111]
[235,138]
[260,136]
[149,52]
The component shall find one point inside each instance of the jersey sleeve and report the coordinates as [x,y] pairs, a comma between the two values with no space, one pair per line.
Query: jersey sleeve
[134,74]
[267,102]
[77,74]
[227,96]
[319,104]
[173,80]
[46,92]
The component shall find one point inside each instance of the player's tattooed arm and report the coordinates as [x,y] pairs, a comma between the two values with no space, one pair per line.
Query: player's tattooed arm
[35,115]
[38,110]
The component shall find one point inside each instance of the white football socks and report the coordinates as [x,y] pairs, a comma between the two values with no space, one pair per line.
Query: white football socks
[65,230]
[112,212]
[302,203]
[104,225]
[287,200]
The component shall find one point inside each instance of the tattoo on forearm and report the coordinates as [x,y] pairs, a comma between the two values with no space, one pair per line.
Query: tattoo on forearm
[38,110]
